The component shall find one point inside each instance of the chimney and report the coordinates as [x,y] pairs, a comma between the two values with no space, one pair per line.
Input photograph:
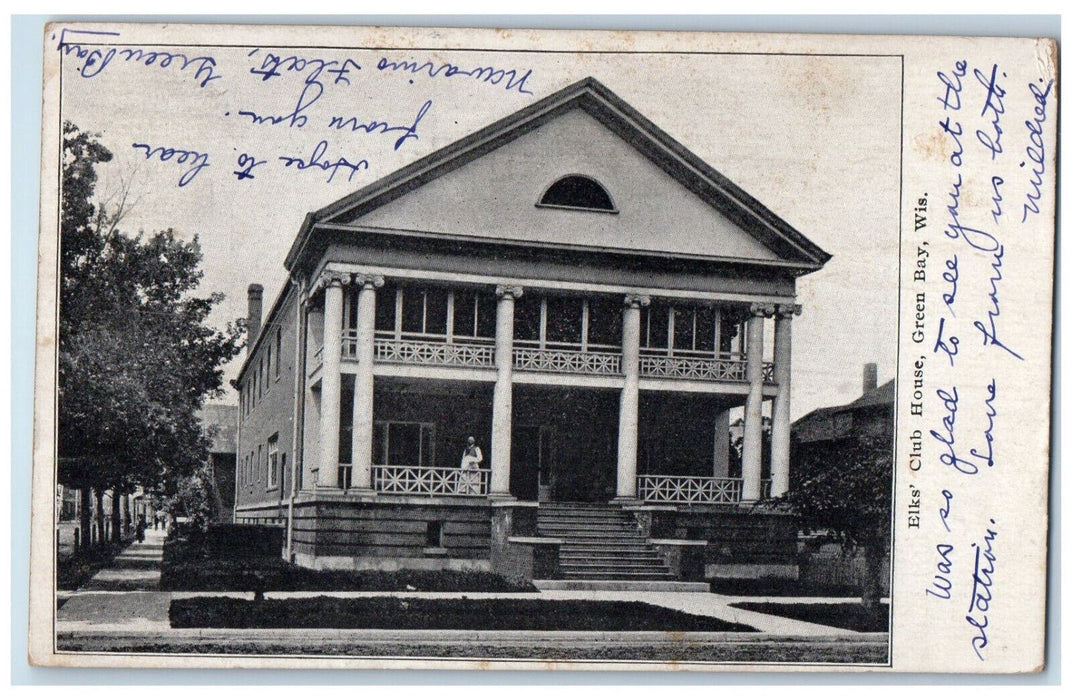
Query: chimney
[253,320]
[870,376]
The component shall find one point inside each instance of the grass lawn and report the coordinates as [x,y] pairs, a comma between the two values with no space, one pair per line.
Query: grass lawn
[850,616]
[74,570]
[186,567]
[423,613]
[780,587]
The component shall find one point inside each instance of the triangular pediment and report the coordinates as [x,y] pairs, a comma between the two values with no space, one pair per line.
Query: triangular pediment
[488,185]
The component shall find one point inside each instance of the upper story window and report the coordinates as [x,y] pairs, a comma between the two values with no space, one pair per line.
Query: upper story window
[278,350]
[568,322]
[273,461]
[691,330]
[425,312]
[578,192]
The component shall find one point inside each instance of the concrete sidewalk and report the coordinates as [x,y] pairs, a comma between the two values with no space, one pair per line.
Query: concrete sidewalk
[123,602]
[148,611]
[127,592]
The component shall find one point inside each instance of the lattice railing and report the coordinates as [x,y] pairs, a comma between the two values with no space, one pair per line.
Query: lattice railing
[689,489]
[700,368]
[567,361]
[706,369]
[430,481]
[413,352]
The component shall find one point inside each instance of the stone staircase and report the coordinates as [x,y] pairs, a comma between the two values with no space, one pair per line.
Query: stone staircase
[600,543]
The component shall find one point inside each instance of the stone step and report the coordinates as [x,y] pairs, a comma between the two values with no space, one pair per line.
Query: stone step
[612,562]
[597,540]
[575,532]
[584,550]
[596,575]
[616,566]
[581,520]
[618,585]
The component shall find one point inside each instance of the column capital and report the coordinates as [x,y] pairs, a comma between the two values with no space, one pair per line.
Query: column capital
[788,310]
[635,301]
[363,281]
[329,278]
[757,309]
[512,291]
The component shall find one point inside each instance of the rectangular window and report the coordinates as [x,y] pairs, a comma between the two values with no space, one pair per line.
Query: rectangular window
[684,319]
[465,313]
[268,369]
[412,310]
[654,326]
[278,350]
[433,535]
[435,313]
[398,443]
[257,464]
[485,315]
[729,341]
[564,320]
[705,329]
[273,461]
[385,307]
[604,322]
[527,311]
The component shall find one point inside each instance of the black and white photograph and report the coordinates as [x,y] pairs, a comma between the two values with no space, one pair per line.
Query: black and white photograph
[418,347]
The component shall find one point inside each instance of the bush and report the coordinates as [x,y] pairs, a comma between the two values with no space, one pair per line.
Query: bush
[429,613]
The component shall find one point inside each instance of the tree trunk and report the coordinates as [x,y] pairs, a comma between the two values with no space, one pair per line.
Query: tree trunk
[84,515]
[126,514]
[117,522]
[99,498]
[871,588]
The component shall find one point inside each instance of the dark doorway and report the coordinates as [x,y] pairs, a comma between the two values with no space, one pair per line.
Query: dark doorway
[528,456]
[572,454]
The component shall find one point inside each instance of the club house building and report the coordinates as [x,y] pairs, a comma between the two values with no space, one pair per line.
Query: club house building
[582,295]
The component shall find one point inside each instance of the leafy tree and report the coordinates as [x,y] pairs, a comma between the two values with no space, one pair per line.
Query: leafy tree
[843,491]
[136,358]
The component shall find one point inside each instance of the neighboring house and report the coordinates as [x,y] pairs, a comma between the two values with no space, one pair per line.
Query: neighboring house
[869,415]
[221,423]
[578,292]
[822,433]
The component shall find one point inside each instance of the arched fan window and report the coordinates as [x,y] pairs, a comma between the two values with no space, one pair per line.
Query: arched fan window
[578,192]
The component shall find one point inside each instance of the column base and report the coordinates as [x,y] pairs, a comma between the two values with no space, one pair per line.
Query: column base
[626,501]
[501,496]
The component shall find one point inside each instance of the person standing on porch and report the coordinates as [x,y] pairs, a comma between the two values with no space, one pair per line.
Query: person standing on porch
[471,459]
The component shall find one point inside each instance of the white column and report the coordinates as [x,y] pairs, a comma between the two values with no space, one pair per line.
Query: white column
[502,408]
[752,453]
[629,406]
[364,382]
[331,381]
[780,413]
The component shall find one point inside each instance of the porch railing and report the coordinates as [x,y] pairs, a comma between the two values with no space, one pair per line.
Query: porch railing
[567,361]
[430,481]
[700,368]
[414,352]
[659,488]
[655,488]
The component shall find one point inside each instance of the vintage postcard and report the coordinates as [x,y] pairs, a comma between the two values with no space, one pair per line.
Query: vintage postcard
[364,347]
